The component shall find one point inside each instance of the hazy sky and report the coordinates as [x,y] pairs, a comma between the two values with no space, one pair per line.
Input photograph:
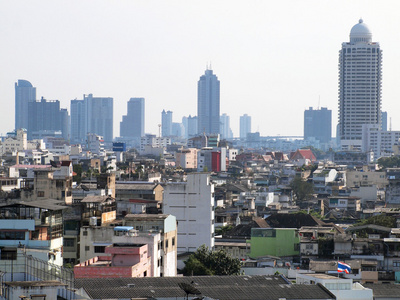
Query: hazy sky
[274,58]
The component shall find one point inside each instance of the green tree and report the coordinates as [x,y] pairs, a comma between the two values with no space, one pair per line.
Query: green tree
[389,162]
[207,262]
[78,170]
[381,220]
[302,190]
[224,229]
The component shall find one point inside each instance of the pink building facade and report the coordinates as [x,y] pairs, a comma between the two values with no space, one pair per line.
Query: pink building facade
[125,260]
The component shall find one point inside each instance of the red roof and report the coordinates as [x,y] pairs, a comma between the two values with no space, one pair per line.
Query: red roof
[303,154]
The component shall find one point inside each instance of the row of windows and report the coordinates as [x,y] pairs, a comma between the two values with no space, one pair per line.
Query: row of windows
[12,235]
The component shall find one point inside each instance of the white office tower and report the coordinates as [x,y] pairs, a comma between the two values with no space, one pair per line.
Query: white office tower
[245,126]
[360,79]
[192,203]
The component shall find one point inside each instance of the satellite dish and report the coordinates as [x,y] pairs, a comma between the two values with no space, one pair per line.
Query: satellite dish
[54,164]
[189,289]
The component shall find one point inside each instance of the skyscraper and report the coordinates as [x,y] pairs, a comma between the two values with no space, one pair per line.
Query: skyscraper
[360,78]
[132,125]
[208,103]
[92,115]
[24,93]
[190,124]
[225,129]
[245,126]
[318,124]
[384,121]
[47,119]
[166,123]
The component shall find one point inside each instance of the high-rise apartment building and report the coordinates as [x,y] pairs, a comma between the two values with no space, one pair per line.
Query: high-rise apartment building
[132,125]
[360,80]
[47,119]
[24,93]
[245,126]
[318,124]
[166,123]
[384,121]
[92,115]
[190,125]
[208,103]
[225,129]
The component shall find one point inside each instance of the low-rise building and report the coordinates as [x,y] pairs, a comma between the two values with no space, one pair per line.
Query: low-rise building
[34,227]
[125,260]
[343,289]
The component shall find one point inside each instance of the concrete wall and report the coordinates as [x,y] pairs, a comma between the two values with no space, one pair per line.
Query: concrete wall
[282,244]
[192,203]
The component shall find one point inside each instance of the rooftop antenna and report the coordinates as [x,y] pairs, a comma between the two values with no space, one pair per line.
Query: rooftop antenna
[390,127]
[159,130]
[319,100]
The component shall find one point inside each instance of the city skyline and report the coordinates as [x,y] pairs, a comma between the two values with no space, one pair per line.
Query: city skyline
[128,49]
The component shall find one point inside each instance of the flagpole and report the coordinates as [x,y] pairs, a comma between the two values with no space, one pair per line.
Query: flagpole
[337,269]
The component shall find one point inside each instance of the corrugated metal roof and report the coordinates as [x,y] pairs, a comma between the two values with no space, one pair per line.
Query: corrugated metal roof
[216,287]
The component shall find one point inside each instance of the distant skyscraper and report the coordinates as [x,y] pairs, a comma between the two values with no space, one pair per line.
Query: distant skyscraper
[318,124]
[132,124]
[190,124]
[78,121]
[24,93]
[360,79]
[47,119]
[208,103]
[92,115]
[245,126]
[166,123]
[225,129]
[178,130]
[384,121]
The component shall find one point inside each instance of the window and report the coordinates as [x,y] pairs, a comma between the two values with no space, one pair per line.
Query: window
[38,297]
[173,241]
[166,244]
[69,242]
[84,233]
[396,263]
[87,248]
[12,235]
[40,194]
[99,249]
[8,254]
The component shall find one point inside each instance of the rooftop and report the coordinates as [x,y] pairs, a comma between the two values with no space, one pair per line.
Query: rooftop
[216,287]
[34,283]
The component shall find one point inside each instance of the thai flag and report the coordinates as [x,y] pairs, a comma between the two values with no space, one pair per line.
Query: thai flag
[342,267]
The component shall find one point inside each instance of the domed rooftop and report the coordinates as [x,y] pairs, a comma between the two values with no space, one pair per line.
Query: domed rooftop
[360,33]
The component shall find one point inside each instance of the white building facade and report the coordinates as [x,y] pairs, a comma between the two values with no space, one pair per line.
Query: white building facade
[378,141]
[360,86]
[192,203]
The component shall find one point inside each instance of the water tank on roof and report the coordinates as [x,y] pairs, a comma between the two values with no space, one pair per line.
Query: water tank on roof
[93,221]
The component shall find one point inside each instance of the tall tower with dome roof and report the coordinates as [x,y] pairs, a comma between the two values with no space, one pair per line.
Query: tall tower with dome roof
[360,86]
